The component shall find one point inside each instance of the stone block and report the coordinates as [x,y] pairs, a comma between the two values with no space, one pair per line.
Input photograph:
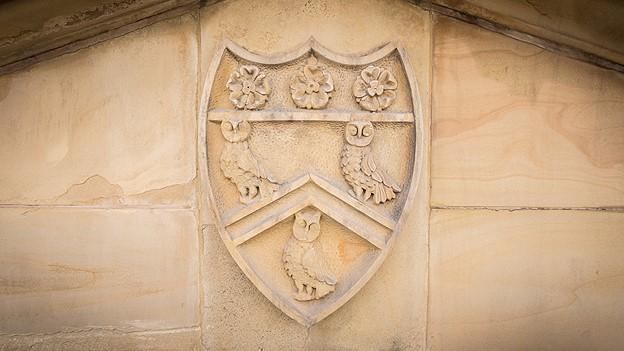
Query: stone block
[73,269]
[389,312]
[526,280]
[515,125]
[110,125]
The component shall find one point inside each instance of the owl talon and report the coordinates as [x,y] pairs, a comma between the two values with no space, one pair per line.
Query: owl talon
[366,195]
[244,199]
[303,296]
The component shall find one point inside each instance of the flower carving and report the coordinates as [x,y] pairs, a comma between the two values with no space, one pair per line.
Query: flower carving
[375,88]
[312,86]
[249,88]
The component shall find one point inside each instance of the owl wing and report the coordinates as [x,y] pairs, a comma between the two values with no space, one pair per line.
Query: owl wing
[228,162]
[370,169]
[317,268]
[249,162]
[289,257]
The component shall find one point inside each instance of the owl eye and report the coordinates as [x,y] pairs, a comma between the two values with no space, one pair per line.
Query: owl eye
[352,130]
[301,223]
[229,126]
[367,131]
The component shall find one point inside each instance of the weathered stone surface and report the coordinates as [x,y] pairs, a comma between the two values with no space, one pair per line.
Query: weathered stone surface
[110,125]
[94,339]
[33,31]
[526,280]
[388,313]
[593,26]
[101,242]
[350,28]
[67,269]
[380,316]
[515,125]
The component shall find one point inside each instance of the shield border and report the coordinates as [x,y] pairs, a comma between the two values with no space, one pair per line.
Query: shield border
[206,188]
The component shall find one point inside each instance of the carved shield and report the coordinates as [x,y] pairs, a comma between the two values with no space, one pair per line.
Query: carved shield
[309,159]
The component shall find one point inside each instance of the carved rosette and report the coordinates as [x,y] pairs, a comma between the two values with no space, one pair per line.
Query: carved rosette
[375,88]
[249,88]
[311,87]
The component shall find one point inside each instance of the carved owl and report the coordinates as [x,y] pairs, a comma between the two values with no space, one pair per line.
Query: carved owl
[359,168]
[303,258]
[240,166]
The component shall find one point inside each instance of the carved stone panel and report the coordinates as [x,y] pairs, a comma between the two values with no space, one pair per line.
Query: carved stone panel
[309,159]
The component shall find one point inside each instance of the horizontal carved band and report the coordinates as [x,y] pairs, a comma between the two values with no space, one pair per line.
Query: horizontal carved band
[327,116]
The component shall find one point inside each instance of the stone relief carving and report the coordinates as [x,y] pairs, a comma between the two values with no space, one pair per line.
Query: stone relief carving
[241,167]
[359,168]
[303,258]
[249,88]
[285,260]
[311,87]
[375,88]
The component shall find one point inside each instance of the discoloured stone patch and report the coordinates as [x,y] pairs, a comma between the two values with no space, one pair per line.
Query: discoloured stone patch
[132,270]
[526,280]
[105,339]
[68,122]
[518,126]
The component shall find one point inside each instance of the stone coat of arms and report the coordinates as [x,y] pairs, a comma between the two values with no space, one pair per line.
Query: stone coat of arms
[309,159]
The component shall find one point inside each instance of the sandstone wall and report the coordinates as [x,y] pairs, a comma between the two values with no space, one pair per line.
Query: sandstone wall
[514,241]
[98,229]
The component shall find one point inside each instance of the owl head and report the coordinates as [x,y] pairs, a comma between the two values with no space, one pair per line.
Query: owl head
[307,226]
[359,133]
[235,131]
